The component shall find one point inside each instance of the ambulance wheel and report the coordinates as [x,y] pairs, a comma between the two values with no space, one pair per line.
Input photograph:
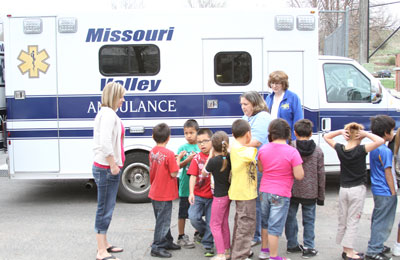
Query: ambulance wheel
[135,178]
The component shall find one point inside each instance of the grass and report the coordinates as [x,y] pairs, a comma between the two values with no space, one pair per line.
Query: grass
[388,83]
[380,60]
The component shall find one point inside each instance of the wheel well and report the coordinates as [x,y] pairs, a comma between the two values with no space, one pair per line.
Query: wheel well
[135,150]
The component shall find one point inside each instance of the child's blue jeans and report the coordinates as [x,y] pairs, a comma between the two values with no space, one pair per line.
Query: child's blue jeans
[162,231]
[200,208]
[292,228]
[381,222]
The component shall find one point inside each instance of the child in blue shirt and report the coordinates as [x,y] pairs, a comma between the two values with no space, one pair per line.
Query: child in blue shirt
[382,187]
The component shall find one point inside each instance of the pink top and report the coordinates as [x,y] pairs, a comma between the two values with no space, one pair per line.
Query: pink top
[122,151]
[278,161]
[122,143]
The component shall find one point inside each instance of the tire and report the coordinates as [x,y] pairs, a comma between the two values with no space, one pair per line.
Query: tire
[135,178]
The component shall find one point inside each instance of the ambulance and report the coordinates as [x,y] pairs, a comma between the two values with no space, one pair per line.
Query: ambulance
[2,91]
[175,65]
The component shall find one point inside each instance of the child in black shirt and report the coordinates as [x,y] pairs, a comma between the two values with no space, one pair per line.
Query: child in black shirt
[353,180]
[218,164]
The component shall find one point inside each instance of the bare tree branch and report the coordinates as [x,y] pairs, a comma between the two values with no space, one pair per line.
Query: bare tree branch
[206,3]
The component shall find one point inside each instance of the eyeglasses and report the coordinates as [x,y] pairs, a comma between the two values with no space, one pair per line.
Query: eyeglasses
[204,141]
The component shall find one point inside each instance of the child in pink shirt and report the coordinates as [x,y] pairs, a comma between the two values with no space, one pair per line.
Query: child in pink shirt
[280,163]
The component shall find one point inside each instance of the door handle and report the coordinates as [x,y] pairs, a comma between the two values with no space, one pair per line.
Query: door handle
[326,124]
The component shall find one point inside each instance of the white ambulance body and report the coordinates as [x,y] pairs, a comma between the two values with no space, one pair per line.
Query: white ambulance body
[2,89]
[175,65]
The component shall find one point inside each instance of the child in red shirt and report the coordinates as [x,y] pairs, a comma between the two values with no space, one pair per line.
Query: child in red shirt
[201,197]
[163,190]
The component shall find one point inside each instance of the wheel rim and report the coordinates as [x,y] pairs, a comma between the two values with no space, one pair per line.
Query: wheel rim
[135,178]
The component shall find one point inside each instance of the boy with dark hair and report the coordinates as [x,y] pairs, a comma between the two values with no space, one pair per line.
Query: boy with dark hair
[163,190]
[200,195]
[382,187]
[190,149]
[307,192]
[243,189]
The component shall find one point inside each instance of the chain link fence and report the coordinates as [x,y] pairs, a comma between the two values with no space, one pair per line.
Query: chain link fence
[337,43]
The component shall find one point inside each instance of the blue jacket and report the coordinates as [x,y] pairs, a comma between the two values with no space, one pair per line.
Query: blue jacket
[290,108]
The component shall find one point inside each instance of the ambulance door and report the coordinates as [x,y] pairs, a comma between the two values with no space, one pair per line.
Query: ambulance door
[348,94]
[292,63]
[32,94]
[230,68]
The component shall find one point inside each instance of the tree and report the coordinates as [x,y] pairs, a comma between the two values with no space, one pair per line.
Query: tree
[127,4]
[206,3]
[328,22]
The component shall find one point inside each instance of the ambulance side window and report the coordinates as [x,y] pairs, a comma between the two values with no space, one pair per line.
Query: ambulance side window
[232,68]
[346,84]
[129,60]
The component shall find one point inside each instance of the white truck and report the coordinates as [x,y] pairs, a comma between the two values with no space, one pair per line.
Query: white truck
[2,90]
[175,65]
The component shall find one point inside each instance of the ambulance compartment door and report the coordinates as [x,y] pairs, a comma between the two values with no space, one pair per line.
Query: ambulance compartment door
[31,92]
[230,68]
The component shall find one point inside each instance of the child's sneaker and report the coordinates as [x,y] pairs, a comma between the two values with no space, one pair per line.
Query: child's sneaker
[209,252]
[227,254]
[185,242]
[264,253]
[396,249]
[309,252]
[386,250]
[218,257]
[278,258]
[380,256]
[296,249]
[197,238]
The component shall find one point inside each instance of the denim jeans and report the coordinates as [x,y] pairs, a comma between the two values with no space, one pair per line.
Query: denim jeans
[381,222]
[200,208]
[257,234]
[162,231]
[274,210]
[107,188]
[291,227]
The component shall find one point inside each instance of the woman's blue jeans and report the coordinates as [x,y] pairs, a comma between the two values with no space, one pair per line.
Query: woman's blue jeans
[107,188]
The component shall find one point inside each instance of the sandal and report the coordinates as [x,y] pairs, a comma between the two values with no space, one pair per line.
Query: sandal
[107,258]
[344,256]
[114,249]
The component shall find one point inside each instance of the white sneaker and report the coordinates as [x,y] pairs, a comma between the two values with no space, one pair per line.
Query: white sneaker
[396,249]
[185,242]
[263,255]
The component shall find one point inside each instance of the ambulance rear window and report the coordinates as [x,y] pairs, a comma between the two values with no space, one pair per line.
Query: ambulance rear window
[232,68]
[129,60]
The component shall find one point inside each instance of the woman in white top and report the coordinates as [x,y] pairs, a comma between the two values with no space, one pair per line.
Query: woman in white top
[109,157]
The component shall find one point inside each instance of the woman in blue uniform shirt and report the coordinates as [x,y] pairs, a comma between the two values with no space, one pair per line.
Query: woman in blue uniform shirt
[283,103]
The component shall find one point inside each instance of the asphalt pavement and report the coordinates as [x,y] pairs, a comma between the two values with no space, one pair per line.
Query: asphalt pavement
[54,219]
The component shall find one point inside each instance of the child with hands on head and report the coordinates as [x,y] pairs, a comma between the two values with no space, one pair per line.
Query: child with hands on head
[353,181]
